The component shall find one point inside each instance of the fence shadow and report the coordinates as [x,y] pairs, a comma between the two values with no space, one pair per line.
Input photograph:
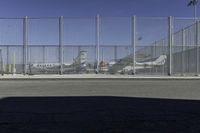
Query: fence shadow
[98,114]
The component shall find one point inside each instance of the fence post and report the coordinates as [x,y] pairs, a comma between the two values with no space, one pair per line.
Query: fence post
[61,44]
[155,49]
[2,63]
[25,43]
[97,42]
[163,52]
[133,41]
[115,53]
[8,53]
[197,46]
[170,44]
[43,58]
[183,51]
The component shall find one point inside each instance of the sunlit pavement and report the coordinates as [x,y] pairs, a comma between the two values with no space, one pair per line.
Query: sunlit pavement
[95,76]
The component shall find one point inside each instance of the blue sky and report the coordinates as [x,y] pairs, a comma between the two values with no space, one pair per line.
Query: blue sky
[113,31]
[82,31]
[38,8]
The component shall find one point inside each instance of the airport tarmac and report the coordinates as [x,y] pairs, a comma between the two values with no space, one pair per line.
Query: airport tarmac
[99,106]
[97,77]
[173,89]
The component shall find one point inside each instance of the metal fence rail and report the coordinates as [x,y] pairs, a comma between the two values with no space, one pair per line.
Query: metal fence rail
[110,45]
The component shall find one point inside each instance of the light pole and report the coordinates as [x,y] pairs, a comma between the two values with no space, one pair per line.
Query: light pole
[196,25]
[194,3]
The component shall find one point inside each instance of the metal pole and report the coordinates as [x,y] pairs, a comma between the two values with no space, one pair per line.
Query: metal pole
[43,49]
[152,56]
[170,44]
[163,52]
[155,49]
[196,38]
[97,41]
[25,43]
[195,12]
[79,49]
[14,62]
[61,44]
[133,42]
[197,47]
[155,52]
[2,65]
[183,51]
[115,52]
[7,56]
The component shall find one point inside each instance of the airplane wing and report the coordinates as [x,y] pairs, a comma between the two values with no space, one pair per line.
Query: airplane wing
[127,62]
[121,63]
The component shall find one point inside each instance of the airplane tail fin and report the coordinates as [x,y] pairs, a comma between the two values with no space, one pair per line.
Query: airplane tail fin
[161,60]
[81,58]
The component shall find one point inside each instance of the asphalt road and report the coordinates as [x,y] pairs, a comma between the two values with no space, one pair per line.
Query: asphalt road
[175,89]
[100,106]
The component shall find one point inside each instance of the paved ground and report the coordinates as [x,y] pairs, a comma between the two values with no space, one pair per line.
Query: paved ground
[175,89]
[97,76]
[102,106]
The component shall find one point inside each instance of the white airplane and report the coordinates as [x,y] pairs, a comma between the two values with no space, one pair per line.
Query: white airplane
[79,63]
[125,66]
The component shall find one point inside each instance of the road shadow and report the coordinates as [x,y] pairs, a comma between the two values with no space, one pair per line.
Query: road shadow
[98,115]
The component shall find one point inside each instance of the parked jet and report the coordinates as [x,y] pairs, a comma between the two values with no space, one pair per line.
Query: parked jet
[79,64]
[125,66]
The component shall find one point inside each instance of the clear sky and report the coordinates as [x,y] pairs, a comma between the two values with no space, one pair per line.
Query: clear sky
[51,8]
[113,31]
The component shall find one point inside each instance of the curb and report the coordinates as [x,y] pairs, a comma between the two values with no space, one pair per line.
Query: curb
[94,77]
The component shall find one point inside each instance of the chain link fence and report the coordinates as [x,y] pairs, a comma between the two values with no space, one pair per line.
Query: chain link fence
[109,45]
